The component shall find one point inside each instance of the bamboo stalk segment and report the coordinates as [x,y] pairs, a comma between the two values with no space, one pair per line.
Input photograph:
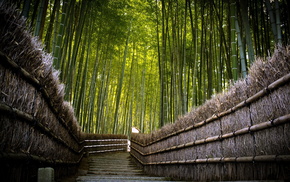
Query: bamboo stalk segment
[227,135]
[280,82]
[245,159]
[282,158]
[268,158]
[260,126]
[189,144]
[212,139]
[199,124]
[214,160]
[281,120]
[258,95]
[241,131]
[229,159]
[104,145]
[201,161]
[199,142]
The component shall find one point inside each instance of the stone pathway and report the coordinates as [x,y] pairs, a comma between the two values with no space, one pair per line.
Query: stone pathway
[115,166]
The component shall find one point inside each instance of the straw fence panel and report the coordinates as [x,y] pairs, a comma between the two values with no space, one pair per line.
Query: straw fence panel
[242,134]
[229,124]
[37,127]
[22,96]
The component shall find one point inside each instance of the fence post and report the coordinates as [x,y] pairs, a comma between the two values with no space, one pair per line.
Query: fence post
[45,174]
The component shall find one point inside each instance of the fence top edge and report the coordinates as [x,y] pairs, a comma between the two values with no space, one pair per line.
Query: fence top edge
[105,140]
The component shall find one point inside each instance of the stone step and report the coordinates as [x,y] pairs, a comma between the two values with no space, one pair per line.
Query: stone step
[118,178]
[121,173]
[114,167]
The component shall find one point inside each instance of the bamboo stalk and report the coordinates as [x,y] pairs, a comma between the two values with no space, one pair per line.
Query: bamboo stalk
[258,127]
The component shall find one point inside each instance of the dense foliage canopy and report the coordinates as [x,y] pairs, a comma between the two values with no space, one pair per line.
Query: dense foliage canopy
[143,63]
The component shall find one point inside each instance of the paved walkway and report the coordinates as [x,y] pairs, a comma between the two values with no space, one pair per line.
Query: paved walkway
[114,167]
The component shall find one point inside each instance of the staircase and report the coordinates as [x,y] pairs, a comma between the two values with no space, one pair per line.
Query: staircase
[114,166]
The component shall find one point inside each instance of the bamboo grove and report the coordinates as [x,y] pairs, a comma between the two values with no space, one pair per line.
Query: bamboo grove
[144,63]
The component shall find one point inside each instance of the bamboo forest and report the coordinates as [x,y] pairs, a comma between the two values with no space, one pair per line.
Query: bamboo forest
[145,63]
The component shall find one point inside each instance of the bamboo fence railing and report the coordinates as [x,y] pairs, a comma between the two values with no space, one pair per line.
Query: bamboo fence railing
[254,128]
[105,145]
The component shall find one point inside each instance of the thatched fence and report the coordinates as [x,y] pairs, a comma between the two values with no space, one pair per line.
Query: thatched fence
[242,134]
[37,127]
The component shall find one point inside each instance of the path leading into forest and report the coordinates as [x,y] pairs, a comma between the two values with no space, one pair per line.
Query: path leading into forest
[115,166]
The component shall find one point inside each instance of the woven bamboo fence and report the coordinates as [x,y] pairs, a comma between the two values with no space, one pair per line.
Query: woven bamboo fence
[37,126]
[94,144]
[242,134]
